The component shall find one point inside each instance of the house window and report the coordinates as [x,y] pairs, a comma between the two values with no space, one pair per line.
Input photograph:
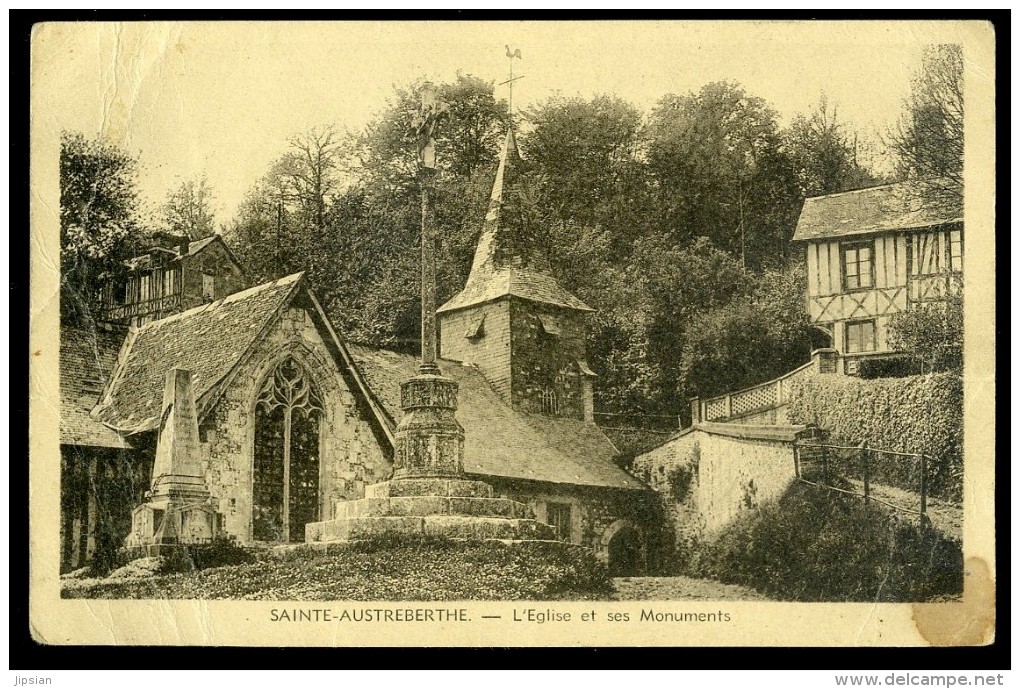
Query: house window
[557,515]
[860,337]
[858,268]
[956,251]
[285,486]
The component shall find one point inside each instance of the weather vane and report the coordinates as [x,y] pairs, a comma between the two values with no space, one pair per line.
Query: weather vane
[515,54]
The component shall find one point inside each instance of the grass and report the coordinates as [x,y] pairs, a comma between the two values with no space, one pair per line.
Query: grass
[391,569]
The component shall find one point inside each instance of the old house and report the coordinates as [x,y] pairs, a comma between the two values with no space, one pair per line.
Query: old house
[170,280]
[872,253]
[294,421]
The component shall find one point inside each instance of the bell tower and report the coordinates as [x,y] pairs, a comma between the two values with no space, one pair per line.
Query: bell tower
[513,320]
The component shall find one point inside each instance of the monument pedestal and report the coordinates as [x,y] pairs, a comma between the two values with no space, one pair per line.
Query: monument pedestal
[429,494]
[180,510]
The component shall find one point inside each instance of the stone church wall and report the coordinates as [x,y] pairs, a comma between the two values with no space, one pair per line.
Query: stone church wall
[711,473]
[490,352]
[594,511]
[543,361]
[350,456]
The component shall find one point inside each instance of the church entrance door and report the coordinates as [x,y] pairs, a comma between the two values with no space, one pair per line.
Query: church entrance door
[285,493]
[625,553]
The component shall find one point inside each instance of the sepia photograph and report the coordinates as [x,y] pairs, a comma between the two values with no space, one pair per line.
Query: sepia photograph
[538,333]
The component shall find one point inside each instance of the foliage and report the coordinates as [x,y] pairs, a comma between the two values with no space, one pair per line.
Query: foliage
[222,552]
[98,219]
[753,338]
[889,367]
[825,152]
[389,568]
[928,140]
[187,211]
[933,332]
[913,414]
[819,545]
[721,172]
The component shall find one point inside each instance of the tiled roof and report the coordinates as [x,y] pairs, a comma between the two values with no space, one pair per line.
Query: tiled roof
[499,270]
[208,341]
[87,356]
[877,209]
[517,282]
[499,441]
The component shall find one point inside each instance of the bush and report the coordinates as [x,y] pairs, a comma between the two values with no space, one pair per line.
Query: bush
[914,414]
[388,568]
[891,367]
[222,552]
[819,545]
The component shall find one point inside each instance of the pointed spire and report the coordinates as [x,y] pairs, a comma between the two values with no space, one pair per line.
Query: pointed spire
[507,261]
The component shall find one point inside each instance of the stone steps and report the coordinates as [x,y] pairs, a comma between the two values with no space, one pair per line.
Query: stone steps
[441,525]
[438,487]
[426,505]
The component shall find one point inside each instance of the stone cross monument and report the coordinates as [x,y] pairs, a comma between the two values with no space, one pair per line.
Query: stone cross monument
[429,494]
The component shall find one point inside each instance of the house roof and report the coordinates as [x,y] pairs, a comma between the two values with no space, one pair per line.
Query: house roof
[502,266]
[208,340]
[194,247]
[499,441]
[900,206]
[87,356]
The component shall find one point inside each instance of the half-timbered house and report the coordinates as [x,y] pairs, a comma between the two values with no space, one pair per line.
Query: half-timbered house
[872,253]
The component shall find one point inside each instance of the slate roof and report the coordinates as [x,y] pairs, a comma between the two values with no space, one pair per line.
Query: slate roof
[145,260]
[891,207]
[87,357]
[207,340]
[499,441]
[499,270]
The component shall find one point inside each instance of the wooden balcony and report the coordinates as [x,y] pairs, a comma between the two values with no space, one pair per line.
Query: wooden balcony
[158,306]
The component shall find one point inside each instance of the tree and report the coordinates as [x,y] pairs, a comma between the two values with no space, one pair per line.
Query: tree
[932,332]
[825,153]
[309,171]
[585,152]
[467,141]
[928,140]
[98,220]
[752,338]
[720,172]
[187,210]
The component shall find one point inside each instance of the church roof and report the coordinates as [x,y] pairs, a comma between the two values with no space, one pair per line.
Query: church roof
[499,441]
[501,268]
[208,340]
[87,356]
[890,207]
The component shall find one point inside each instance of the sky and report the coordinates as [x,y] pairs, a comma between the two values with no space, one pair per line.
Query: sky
[220,99]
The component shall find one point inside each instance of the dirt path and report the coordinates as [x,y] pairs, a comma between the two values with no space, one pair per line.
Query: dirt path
[680,588]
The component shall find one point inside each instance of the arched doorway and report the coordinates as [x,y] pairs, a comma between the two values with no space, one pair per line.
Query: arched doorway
[285,482]
[624,549]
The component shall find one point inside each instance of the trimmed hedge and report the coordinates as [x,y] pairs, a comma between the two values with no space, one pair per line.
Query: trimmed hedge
[819,545]
[912,414]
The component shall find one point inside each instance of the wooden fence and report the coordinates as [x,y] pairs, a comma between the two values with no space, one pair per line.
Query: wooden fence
[825,465]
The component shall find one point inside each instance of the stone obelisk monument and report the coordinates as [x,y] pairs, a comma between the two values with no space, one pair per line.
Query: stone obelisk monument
[180,510]
[429,493]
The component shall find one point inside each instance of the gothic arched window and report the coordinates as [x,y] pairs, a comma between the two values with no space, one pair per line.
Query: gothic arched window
[285,488]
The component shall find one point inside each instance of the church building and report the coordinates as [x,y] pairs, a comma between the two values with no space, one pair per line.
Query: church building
[294,420]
